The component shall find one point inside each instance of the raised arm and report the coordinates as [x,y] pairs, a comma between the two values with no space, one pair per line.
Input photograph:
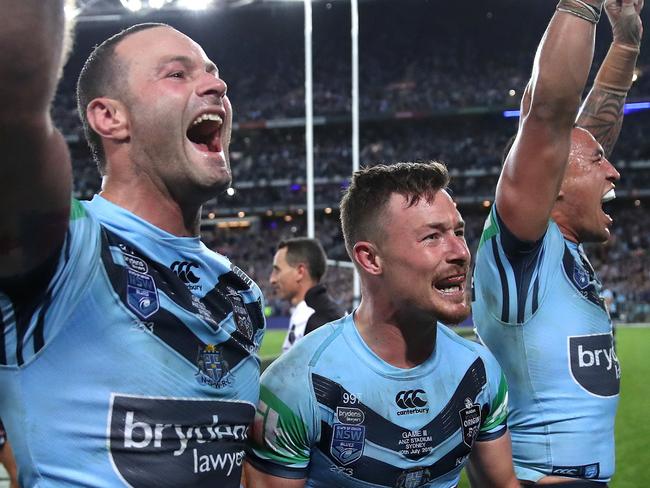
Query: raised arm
[602,111]
[35,170]
[534,168]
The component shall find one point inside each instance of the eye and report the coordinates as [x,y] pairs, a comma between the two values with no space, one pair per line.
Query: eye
[432,237]
[460,233]
[177,74]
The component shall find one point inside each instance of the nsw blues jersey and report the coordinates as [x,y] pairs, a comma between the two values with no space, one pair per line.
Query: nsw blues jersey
[333,412]
[136,365]
[537,307]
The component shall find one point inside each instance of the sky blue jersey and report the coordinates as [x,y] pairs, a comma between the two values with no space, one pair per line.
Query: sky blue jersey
[537,306]
[135,364]
[335,413]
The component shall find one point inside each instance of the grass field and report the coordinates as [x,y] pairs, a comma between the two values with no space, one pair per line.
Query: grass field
[632,431]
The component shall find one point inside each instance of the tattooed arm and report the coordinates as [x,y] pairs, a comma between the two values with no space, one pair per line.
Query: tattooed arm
[602,111]
[35,170]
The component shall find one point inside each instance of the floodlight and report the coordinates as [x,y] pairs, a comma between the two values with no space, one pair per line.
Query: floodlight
[194,4]
[132,5]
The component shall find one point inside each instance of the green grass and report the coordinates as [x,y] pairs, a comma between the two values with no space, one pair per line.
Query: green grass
[632,430]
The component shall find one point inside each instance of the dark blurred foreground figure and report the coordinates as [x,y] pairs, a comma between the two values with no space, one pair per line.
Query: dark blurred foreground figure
[538,301]
[128,350]
[7,458]
[389,396]
[299,265]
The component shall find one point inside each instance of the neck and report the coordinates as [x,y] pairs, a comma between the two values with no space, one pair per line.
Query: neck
[564,224]
[155,206]
[300,296]
[402,340]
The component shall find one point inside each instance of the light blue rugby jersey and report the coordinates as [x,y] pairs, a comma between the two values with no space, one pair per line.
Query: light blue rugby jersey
[333,412]
[537,307]
[137,366]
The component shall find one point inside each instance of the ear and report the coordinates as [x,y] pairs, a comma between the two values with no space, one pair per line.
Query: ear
[301,270]
[108,117]
[366,255]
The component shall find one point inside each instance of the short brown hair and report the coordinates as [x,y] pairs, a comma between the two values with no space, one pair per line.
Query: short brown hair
[307,251]
[371,188]
[102,76]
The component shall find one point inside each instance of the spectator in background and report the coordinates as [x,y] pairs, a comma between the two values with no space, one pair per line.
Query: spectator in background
[7,458]
[299,265]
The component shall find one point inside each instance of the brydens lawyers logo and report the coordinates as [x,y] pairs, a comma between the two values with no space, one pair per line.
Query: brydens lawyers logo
[171,442]
[412,401]
[183,270]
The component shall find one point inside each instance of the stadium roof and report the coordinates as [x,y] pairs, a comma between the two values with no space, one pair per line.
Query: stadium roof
[110,10]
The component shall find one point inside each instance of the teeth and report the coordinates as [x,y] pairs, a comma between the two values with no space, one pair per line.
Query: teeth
[609,196]
[451,289]
[204,117]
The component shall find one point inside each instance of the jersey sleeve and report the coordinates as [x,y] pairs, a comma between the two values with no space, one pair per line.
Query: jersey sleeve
[495,423]
[286,425]
[511,276]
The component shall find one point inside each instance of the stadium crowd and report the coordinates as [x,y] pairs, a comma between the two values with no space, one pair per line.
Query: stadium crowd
[433,94]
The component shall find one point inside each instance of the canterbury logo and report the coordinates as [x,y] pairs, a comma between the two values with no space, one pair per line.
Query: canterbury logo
[184,271]
[411,399]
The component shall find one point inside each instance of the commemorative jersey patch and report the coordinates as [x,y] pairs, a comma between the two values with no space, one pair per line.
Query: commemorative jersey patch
[347,443]
[141,294]
[213,369]
[470,419]
[240,313]
[169,442]
[594,364]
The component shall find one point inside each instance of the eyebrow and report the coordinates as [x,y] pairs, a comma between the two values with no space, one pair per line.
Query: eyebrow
[441,225]
[188,62]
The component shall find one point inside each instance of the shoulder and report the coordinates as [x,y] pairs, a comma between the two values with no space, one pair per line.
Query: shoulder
[465,348]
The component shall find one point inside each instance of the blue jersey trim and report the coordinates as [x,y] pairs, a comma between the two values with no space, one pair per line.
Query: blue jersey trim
[505,303]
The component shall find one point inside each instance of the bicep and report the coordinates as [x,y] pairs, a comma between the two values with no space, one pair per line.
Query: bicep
[490,464]
[254,478]
[531,178]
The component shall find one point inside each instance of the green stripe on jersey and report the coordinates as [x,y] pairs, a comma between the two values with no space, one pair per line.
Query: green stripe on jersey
[490,229]
[499,407]
[285,434]
[77,210]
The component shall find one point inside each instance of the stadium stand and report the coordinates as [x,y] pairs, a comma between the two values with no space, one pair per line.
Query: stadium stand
[418,101]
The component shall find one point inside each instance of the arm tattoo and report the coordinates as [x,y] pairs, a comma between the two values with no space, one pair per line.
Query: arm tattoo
[602,115]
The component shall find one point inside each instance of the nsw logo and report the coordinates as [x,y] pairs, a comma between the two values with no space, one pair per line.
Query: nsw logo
[412,401]
[184,270]
[347,443]
[171,442]
[141,294]
[594,364]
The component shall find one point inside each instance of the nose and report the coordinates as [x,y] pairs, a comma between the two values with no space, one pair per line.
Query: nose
[612,174]
[458,251]
[212,84]
[272,279]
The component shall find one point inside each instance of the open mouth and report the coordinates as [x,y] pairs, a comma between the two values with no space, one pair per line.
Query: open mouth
[608,197]
[451,286]
[205,133]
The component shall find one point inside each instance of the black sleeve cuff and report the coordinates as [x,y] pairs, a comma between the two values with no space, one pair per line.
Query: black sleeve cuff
[274,469]
[492,435]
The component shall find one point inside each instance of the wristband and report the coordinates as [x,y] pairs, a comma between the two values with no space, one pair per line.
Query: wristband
[587,10]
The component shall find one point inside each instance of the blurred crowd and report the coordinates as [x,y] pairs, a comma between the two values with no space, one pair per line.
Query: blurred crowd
[428,90]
